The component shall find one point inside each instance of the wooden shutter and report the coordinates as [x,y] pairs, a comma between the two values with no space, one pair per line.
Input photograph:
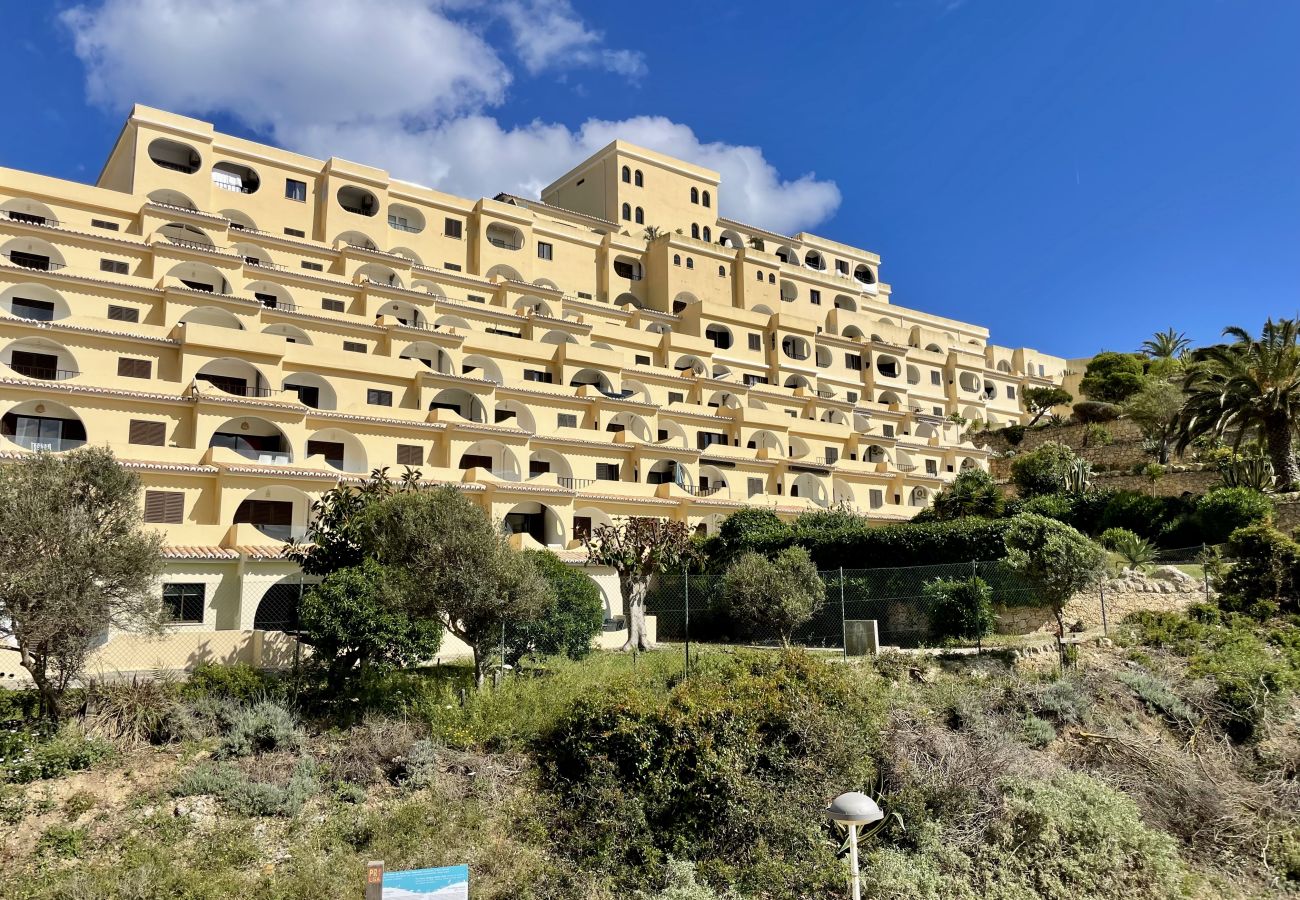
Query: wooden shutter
[123,314]
[164,507]
[154,434]
[134,368]
[410,455]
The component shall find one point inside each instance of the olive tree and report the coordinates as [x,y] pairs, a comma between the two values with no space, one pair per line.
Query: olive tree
[779,594]
[75,561]
[638,548]
[1055,558]
[1040,400]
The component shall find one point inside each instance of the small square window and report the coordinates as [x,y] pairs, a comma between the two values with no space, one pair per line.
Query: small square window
[938,410]
[545,250]
[567,420]
[295,232]
[332,305]
[452,228]
[183,602]
[150,434]
[755,342]
[116,266]
[107,226]
[164,507]
[451,267]
[1011,392]
[354,347]
[642,359]
[377,397]
[476,298]
[123,314]
[410,455]
[755,486]
[935,377]
[607,471]
[674,397]
[312,266]
[134,368]
[295,190]
[816,297]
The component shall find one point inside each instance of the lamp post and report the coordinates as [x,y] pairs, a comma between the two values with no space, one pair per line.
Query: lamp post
[854,809]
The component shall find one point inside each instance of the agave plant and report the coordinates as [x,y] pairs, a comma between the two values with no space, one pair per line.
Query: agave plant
[1134,550]
[1078,477]
[1255,472]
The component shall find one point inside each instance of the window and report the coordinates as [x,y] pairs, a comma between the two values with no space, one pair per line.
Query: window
[452,228]
[675,397]
[539,375]
[677,259]
[581,528]
[935,377]
[931,467]
[815,296]
[851,396]
[295,232]
[722,271]
[164,507]
[410,455]
[853,361]
[607,471]
[706,439]
[1011,392]
[116,266]
[308,395]
[107,226]
[938,410]
[627,212]
[567,420]
[638,179]
[183,602]
[832,455]
[640,216]
[690,263]
[333,451]
[332,305]
[354,346]
[751,380]
[451,266]
[545,250]
[313,266]
[1041,372]
[841,267]
[134,368]
[376,397]
[877,498]
[759,275]
[707,235]
[295,190]
[642,359]
[38,310]
[755,486]
[706,198]
[887,430]
[123,314]
[695,230]
[476,298]
[695,195]
[627,175]
[583,296]
[150,434]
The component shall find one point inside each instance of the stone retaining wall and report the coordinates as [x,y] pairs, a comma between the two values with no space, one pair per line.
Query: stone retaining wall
[1165,588]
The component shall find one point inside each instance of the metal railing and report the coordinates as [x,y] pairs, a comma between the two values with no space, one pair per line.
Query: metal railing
[33,219]
[175,167]
[53,445]
[282,305]
[410,229]
[504,245]
[29,261]
[574,484]
[45,372]
[358,210]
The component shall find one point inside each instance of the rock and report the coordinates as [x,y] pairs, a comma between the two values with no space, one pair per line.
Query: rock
[201,810]
[1171,573]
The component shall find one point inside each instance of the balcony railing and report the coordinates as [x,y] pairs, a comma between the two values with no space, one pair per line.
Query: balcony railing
[31,261]
[411,229]
[358,210]
[45,373]
[504,245]
[233,188]
[282,305]
[574,484]
[194,245]
[263,263]
[286,532]
[238,391]
[697,491]
[176,167]
[506,475]
[33,219]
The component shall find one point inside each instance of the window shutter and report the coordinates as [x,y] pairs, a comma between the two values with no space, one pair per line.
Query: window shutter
[153,434]
[410,455]
[134,368]
[164,507]
[123,314]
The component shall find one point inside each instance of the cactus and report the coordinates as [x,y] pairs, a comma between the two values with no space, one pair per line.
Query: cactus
[1254,472]
[1078,477]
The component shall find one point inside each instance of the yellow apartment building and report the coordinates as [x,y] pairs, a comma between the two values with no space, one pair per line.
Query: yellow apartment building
[247,327]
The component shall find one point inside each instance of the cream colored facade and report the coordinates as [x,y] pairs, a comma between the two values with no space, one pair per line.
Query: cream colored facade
[245,327]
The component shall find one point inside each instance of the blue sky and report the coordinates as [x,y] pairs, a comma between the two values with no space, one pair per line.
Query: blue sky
[1074,175]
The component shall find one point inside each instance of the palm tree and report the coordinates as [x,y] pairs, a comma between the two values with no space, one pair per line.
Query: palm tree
[1165,344]
[1249,385]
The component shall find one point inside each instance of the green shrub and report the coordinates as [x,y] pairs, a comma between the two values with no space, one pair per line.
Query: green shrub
[566,626]
[971,493]
[261,728]
[1113,377]
[765,598]
[1223,510]
[1097,435]
[62,840]
[1250,679]
[1063,701]
[26,756]
[680,884]
[239,682]
[1054,506]
[1038,733]
[1135,551]
[1262,578]
[138,710]
[1113,536]
[1156,694]
[232,786]
[1042,470]
[1088,412]
[960,608]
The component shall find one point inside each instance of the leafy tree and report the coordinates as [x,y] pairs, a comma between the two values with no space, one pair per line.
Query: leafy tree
[960,607]
[1156,409]
[342,534]
[1058,560]
[355,623]
[779,594]
[568,624]
[1223,510]
[1251,385]
[452,565]
[1262,579]
[972,493]
[638,548]
[74,562]
[1167,344]
[1042,470]
[1112,377]
[1040,400]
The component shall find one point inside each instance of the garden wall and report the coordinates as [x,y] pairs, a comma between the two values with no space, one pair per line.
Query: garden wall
[1166,588]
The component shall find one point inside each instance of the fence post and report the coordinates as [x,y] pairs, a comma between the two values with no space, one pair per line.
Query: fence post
[1101,591]
[686,576]
[844,628]
[1205,570]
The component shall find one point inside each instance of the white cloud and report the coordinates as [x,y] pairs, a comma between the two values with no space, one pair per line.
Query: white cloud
[400,84]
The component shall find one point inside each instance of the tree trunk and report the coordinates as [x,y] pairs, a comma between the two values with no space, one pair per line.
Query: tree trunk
[50,706]
[480,668]
[1059,612]
[1277,435]
[634,588]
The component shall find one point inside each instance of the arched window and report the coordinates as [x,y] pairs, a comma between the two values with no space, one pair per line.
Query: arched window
[695,231]
[706,198]
[695,195]
[640,216]
[677,259]
[690,263]
[640,182]
[708,235]
[627,212]
[760,276]
[722,271]
[771,278]
[627,175]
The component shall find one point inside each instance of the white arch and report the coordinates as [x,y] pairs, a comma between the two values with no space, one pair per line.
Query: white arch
[347,454]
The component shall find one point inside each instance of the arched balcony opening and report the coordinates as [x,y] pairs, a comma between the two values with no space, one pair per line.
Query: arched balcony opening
[28,211]
[670,471]
[281,513]
[853,333]
[408,254]
[914,337]
[462,403]
[795,347]
[492,457]
[429,287]
[690,365]
[968,463]
[234,376]
[42,425]
[990,391]
[555,336]
[1004,366]
[720,335]
[721,372]
[835,417]
[456,323]
[712,482]
[682,301]
[731,239]
[842,493]
[798,381]
[888,366]
[993,420]
[405,218]
[357,201]
[378,274]
[658,328]
[548,462]
[789,291]
[723,400]
[254,439]
[174,156]
[913,374]
[925,431]
[432,356]
[845,302]
[35,302]
[972,414]
[33,253]
[877,454]
[674,435]
[798,448]
[514,413]
[199,276]
[478,366]
[889,398]
[278,609]
[41,359]
[628,267]
[824,357]
[504,272]
[239,221]
[766,440]
[815,261]
[505,237]
[272,295]
[919,497]
[253,255]
[337,449]
[864,274]
[586,519]
[762,309]
[536,521]
[626,299]
[546,283]
[932,347]
[630,423]
[211,315]
[236,178]
[168,197]
[534,306]
[787,255]
[594,378]
[355,239]
[634,388]
[969,382]
[405,313]
[903,460]
[311,390]
[807,486]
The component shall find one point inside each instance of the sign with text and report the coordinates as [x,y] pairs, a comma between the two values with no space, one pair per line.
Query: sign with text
[443,883]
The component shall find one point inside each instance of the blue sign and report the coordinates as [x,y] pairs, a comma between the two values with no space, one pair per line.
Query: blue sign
[443,883]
